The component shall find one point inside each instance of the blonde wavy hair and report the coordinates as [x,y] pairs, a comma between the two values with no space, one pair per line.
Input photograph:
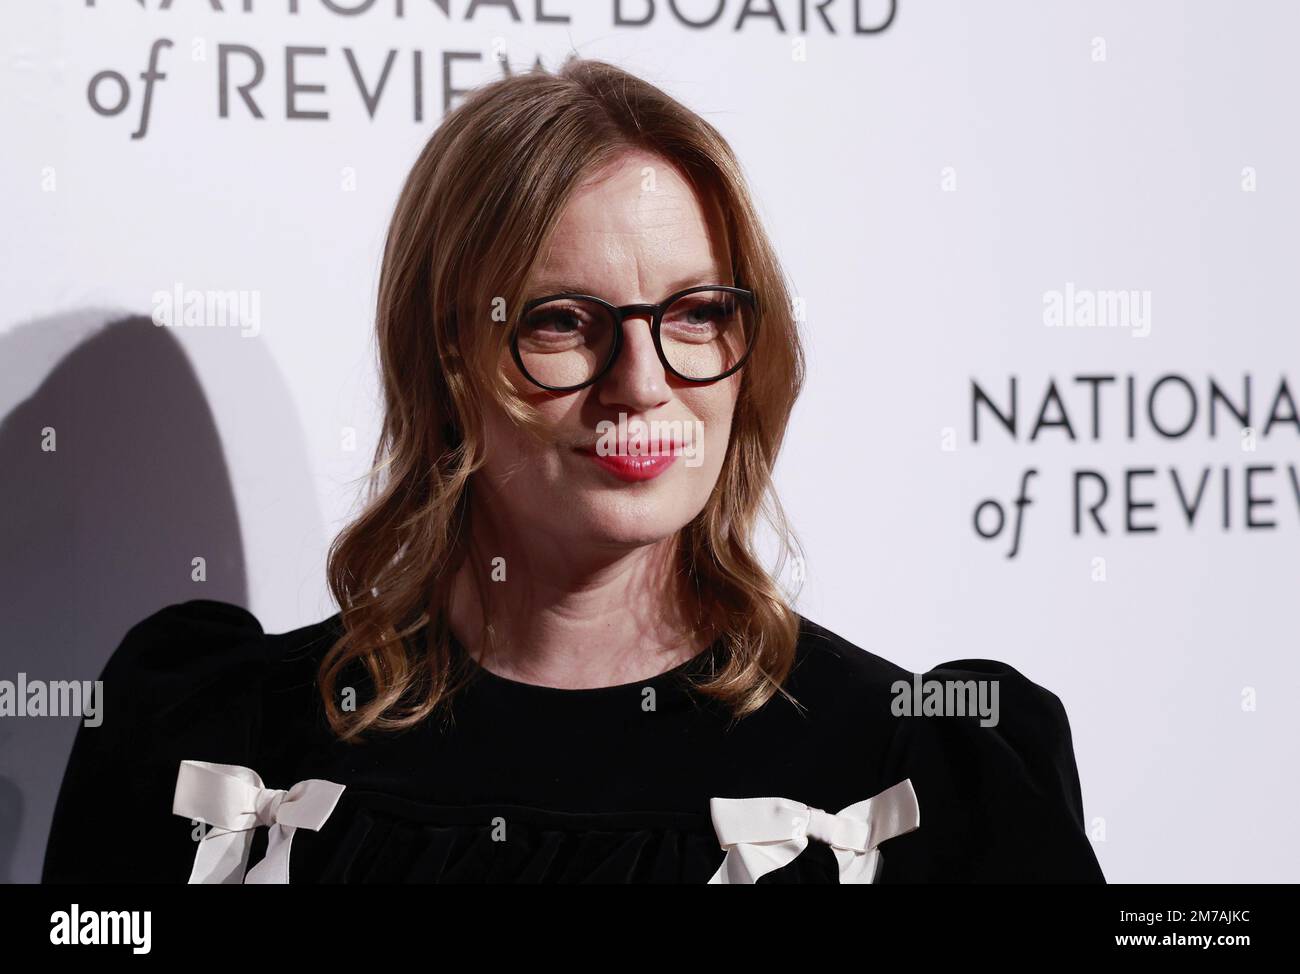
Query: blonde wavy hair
[473,218]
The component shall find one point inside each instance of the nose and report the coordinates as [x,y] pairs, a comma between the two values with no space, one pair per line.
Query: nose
[637,380]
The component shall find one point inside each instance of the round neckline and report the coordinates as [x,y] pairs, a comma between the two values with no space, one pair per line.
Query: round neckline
[481,672]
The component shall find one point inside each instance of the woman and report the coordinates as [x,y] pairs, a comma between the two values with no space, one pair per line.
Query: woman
[557,657]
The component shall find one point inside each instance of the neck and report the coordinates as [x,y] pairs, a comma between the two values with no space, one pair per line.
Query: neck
[573,616]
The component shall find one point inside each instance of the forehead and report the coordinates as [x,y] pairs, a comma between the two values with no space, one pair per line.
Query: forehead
[637,225]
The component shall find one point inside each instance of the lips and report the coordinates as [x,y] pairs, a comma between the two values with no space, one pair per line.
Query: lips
[661,448]
[633,469]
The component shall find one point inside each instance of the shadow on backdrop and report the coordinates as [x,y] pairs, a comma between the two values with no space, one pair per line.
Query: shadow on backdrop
[98,533]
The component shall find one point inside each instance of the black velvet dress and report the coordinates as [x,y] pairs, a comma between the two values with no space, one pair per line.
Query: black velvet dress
[536,784]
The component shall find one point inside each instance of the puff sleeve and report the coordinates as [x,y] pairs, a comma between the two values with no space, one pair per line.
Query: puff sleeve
[183,684]
[999,804]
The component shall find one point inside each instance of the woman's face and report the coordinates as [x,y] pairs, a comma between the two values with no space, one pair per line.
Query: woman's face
[634,235]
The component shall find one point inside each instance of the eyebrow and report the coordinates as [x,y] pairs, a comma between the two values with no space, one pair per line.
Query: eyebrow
[547,287]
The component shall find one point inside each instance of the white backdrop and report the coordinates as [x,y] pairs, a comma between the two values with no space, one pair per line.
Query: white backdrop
[930,187]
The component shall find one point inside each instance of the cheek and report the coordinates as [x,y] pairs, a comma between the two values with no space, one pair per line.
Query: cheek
[714,407]
[514,454]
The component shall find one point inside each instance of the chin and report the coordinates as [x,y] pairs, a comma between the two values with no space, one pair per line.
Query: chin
[625,528]
[632,535]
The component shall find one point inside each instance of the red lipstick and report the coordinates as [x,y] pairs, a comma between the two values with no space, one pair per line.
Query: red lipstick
[632,468]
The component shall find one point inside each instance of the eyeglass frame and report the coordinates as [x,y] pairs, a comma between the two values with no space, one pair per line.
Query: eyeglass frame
[622,312]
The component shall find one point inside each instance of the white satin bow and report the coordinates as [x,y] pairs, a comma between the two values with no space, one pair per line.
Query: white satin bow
[234,802]
[763,834]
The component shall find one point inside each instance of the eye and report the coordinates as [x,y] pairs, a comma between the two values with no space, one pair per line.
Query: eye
[699,318]
[563,324]
[552,321]
[558,320]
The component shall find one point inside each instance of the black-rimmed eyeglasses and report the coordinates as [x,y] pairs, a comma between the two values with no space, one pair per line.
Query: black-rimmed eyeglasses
[565,342]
